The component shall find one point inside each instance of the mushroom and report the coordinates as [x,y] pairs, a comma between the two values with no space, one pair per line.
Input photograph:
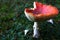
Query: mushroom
[26,31]
[40,12]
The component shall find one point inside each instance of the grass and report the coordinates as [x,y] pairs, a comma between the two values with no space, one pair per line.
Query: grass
[13,21]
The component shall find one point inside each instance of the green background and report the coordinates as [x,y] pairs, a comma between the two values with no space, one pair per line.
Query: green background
[13,21]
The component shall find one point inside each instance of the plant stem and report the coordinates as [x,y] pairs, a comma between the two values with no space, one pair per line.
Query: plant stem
[35,30]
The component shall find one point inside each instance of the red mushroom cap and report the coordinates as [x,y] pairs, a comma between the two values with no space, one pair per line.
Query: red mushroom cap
[41,12]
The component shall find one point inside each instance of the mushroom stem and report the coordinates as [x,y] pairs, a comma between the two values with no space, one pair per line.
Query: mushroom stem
[35,30]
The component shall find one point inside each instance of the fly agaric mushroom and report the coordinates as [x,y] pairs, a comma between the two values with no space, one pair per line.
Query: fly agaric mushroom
[39,13]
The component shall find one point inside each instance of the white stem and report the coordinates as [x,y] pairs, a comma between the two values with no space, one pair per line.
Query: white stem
[35,30]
